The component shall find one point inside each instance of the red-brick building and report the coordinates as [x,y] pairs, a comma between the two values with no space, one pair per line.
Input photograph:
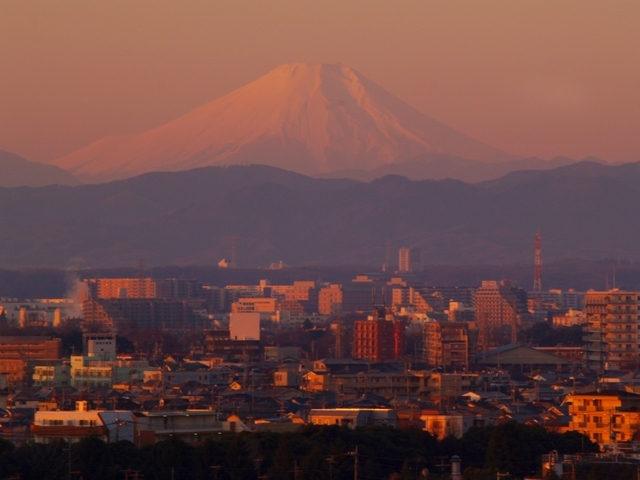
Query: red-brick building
[380,338]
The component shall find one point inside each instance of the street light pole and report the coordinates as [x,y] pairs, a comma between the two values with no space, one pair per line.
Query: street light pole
[69,461]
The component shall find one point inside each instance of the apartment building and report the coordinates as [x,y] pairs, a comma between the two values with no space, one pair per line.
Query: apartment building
[121,288]
[501,309]
[134,313]
[611,334]
[330,300]
[416,299]
[607,416]
[379,338]
[16,353]
[446,343]
[409,260]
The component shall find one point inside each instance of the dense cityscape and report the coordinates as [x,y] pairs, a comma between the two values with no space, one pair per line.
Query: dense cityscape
[262,369]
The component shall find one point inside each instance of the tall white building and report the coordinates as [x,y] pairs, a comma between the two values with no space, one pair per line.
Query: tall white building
[409,259]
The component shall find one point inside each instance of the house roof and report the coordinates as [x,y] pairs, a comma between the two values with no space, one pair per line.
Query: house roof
[518,354]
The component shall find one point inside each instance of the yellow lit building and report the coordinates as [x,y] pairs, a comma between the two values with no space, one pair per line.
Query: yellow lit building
[607,417]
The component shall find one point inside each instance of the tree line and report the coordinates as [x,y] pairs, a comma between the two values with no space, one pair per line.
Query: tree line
[313,453]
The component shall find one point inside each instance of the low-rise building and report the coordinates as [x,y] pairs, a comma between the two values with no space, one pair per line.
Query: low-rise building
[72,426]
[204,376]
[380,383]
[569,318]
[353,417]
[456,422]
[443,385]
[191,426]
[56,374]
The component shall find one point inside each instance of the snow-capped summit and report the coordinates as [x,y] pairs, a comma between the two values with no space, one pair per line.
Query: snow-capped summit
[308,118]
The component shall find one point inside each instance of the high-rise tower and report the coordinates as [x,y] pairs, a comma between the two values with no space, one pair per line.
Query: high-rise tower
[537,265]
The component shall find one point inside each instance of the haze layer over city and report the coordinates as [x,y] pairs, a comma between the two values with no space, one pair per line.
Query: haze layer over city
[391,240]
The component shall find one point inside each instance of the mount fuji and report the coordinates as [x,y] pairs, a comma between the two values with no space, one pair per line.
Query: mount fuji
[308,118]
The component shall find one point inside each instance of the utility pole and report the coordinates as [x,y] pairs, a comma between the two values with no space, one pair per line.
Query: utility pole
[355,463]
[295,470]
[330,459]
[355,468]
[215,469]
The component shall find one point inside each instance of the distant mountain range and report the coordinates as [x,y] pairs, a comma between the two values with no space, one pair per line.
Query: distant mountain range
[439,166]
[15,171]
[307,118]
[584,210]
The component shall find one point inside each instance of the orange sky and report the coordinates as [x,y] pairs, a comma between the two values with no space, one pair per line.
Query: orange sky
[541,78]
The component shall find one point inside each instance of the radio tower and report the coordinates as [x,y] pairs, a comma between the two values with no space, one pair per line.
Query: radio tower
[387,257]
[537,265]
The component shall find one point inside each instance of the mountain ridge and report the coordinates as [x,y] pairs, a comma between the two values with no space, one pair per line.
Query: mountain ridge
[309,118]
[191,218]
[16,171]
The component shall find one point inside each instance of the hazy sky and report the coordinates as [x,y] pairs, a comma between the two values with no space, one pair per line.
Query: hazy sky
[541,78]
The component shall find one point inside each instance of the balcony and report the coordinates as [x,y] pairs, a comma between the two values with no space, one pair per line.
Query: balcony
[621,350]
[591,408]
[590,338]
[615,320]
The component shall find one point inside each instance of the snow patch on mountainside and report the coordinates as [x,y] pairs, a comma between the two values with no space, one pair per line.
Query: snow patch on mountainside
[309,118]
